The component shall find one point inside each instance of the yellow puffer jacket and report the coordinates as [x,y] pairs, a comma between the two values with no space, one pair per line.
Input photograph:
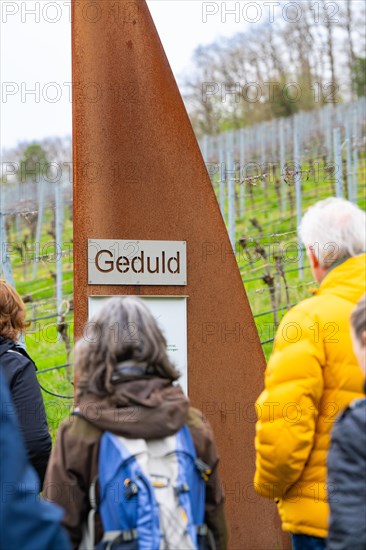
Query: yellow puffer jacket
[311,376]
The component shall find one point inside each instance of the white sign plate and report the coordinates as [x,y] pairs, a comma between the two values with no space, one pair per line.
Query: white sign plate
[170,313]
[112,262]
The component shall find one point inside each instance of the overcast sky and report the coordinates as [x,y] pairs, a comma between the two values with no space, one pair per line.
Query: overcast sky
[37,53]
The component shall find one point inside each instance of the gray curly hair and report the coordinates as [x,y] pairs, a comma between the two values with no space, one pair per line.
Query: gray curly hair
[121,336]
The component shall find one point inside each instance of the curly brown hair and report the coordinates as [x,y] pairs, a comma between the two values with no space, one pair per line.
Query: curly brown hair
[12,312]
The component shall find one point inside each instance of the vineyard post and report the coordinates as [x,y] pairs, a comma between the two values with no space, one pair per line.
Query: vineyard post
[215,146]
[18,226]
[328,134]
[5,259]
[262,137]
[205,148]
[242,171]
[355,154]
[274,133]
[58,243]
[298,123]
[230,143]
[338,161]
[37,244]
[350,191]
[230,176]
[298,191]
[339,116]
[234,142]
[282,165]
[222,174]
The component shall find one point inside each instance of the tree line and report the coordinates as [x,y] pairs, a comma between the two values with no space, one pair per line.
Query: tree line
[275,69]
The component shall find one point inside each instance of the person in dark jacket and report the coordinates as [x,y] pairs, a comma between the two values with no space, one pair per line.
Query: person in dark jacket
[125,387]
[26,523]
[347,459]
[19,372]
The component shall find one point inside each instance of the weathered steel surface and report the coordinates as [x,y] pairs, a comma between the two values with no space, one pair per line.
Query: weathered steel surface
[139,174]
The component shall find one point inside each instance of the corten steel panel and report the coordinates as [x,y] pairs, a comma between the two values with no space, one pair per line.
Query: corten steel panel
[139,174]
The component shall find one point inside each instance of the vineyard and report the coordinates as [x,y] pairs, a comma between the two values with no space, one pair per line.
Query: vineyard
[264,178]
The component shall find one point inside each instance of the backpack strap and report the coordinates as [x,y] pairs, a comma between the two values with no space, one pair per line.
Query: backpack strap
[198,475]
[118,537]
[109,537]
[88,538]
[205,538]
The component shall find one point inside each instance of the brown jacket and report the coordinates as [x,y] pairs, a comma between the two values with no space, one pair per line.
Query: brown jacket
[150,408]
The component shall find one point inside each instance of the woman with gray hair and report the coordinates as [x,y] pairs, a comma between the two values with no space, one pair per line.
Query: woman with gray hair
[126,388]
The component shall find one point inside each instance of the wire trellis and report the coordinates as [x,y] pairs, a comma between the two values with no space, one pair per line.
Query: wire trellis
[266,209]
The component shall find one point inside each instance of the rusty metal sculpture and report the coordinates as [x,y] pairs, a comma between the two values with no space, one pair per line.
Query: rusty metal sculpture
[139,174]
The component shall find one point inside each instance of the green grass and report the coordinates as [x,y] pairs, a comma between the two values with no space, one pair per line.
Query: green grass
[48,349]
[43,342]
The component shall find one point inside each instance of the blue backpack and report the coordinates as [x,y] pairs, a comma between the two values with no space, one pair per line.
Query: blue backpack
[152,495]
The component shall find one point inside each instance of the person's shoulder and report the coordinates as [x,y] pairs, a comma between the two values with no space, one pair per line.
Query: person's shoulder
[78,440]
[351,423]
[196,420]
[355,410]
[78,427]
[17,355]
[315,308]
[296,324]
[14,360]
[305,308]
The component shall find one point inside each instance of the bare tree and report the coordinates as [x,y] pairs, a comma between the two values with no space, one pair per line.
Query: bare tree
[319,51]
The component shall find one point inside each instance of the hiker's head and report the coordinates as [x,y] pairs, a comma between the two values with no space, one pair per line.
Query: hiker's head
[121,341]
[12,312]
[332,230]
[358,331]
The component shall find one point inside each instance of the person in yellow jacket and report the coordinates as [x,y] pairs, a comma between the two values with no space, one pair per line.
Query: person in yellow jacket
[312,374]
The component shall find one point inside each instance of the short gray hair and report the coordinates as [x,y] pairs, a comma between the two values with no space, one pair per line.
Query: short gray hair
[335,229]
[121,335]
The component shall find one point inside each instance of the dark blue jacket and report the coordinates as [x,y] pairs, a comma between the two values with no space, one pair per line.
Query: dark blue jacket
[26,522]
[20,375]
[347,480]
